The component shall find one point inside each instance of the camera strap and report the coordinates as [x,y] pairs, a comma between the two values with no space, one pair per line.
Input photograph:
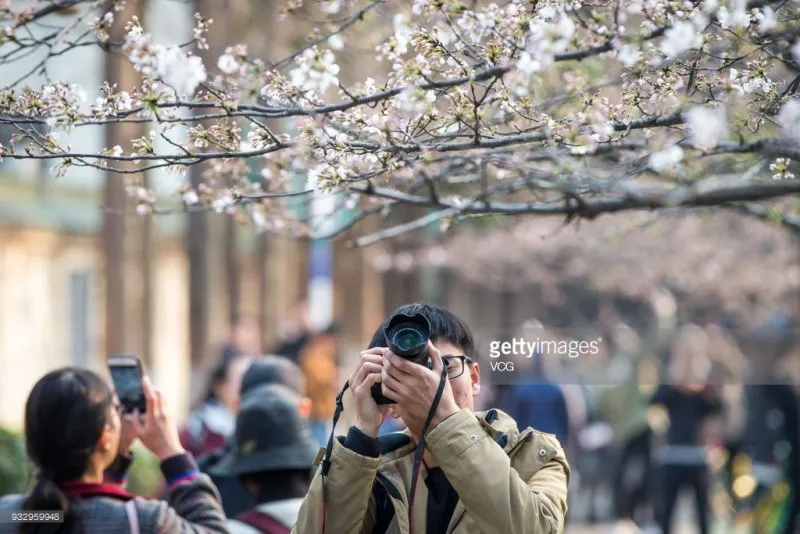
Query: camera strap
[326,462]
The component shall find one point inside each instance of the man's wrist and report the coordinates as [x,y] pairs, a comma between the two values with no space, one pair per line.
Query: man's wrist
[169,452]
[368,429]
[362,444]
[442,413]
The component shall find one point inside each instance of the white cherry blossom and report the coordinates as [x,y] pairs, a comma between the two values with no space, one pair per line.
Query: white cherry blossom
[709,126]
[180,71]
[228,64]
[735,16]
[767,20]
[666,159]
[679,38]
[789,120]
[317,70]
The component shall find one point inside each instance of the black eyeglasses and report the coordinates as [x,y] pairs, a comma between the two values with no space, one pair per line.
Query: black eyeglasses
[455,365]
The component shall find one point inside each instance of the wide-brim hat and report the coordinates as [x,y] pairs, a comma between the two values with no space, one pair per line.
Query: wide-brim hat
[270,436]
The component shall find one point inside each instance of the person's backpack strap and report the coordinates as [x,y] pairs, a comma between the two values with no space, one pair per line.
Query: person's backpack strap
[133,516]
[262,522]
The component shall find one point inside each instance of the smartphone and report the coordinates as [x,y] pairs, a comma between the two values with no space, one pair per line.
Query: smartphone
[127,374]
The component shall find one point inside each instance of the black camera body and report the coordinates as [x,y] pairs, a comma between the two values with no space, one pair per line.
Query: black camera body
[407,336]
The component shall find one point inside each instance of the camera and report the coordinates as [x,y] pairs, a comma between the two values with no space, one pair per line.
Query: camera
[407,336]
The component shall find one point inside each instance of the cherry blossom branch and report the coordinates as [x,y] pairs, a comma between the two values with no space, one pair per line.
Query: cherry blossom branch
[400,229]
[358,16]
[466,94]
[54,7]
[633,200]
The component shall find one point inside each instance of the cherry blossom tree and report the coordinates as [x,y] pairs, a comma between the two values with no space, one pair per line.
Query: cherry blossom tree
[542,107]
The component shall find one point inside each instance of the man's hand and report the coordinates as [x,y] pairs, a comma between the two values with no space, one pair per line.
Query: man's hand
[369,416]
[414,387]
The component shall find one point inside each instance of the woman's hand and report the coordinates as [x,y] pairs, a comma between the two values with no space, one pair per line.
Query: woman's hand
[127,434]
[156,429]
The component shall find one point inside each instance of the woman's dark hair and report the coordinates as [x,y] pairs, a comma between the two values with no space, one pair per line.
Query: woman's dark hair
[65,415]
[445,326]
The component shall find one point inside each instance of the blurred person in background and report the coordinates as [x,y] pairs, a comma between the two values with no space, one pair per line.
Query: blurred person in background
[209,426]
[264,371]
[319,361]
[689,405]
[244,338]
[80,444]
[788,367]
[769,454]
[316,352]
[536,401]
[273,369]
[295,333]
[624,405]
[273,459]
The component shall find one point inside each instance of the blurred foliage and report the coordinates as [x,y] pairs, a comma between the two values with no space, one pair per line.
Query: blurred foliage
[13,463]
[144,476]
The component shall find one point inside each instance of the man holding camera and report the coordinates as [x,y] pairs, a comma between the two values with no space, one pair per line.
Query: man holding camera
[480,473]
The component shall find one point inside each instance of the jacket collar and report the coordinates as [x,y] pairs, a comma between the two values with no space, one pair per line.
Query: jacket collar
[83,489]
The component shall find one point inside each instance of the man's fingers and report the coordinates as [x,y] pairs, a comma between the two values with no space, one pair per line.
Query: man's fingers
[376,351]
[393,383]
[370,368]
[397,375]
[365,367]
[390,393]
[399,367]
[436,357]
[361,373]
[369,381]
[367,356]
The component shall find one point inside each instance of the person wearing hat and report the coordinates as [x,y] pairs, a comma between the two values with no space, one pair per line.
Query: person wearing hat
[274,369]
[262,371]
[273,458]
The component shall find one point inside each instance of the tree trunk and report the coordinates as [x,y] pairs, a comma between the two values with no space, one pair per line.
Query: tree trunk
[121,73]
[202,235]
[232,270]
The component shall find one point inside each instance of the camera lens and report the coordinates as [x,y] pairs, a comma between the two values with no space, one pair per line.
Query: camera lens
[408,338]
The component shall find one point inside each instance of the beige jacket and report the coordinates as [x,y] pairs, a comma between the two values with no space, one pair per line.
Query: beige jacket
[508,482]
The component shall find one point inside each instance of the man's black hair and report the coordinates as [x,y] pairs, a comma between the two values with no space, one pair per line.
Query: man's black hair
[445,326]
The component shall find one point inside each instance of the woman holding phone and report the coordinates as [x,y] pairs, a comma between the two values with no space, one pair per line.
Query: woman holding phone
[78,439]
